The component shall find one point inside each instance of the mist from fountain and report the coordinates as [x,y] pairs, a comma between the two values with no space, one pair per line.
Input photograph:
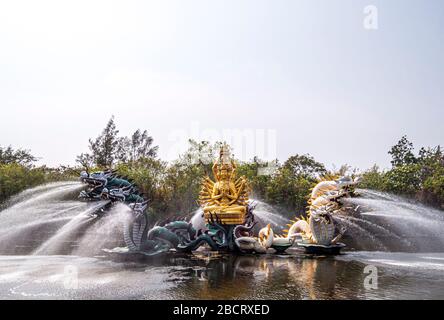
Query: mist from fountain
[46,220]
[398,223]
[106,233]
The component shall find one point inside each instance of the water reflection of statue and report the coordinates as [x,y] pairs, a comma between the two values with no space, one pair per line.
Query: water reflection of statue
[246,276]
[226,199]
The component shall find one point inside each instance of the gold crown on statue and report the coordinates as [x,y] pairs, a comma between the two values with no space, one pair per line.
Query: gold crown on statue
[225,160]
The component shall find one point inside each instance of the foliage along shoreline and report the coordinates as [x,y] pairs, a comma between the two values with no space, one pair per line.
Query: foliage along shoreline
[173,187]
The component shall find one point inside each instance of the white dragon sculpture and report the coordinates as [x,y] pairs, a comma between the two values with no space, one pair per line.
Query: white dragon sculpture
[319,228]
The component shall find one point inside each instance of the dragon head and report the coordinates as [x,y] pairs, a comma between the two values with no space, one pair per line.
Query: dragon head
[347,181]
[139,208]
[83,175]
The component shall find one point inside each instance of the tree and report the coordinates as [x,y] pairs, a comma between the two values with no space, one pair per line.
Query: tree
[108,148]
[139,146]
[304,165]
[105,146]
[201,154]
[19,156]
[405,179]
[402,153]
[142,146]
[123,150]
[85,160]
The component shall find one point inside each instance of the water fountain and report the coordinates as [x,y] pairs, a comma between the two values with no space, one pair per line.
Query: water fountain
[50,220]
[49,226]
[46,221]
[393,223]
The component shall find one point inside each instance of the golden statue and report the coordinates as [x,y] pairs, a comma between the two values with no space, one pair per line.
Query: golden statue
[226,199]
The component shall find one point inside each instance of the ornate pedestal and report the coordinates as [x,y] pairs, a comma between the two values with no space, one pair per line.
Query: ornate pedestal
[228,218]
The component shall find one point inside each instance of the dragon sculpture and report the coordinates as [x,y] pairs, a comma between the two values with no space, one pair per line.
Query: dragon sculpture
[228,213]
[107,185]
[138,237]
[320,228]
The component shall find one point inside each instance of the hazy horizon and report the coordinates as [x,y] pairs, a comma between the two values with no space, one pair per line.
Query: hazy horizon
[307,74]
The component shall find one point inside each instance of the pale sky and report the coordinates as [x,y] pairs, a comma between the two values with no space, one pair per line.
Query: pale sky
[306,72]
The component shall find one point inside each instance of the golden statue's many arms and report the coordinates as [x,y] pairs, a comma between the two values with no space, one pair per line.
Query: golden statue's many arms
[226,199]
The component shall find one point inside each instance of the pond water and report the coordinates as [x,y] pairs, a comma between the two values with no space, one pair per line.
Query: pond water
[207,275]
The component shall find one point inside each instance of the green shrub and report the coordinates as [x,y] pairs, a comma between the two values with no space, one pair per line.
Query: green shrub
[15,178]
[403,179]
